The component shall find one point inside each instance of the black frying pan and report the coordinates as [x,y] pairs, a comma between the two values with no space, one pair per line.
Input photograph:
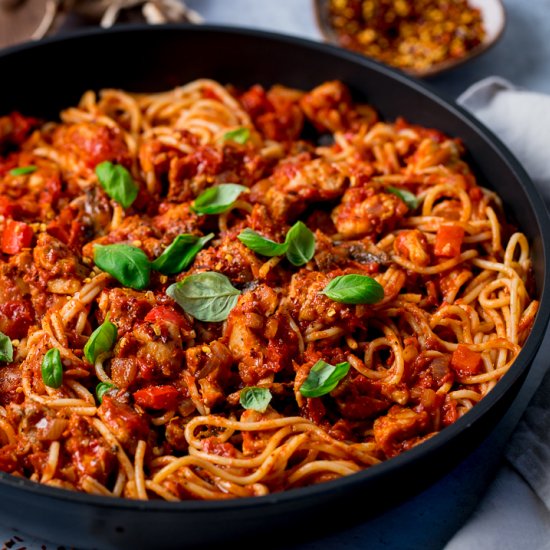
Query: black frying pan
[40,79]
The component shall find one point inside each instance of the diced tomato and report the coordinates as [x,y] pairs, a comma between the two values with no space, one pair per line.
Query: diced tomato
[314,409]
[15,128]
[465,361]
[450,412]
[16,316]
[67,228]
[448,241]
[16,236]
[166,314]
[8,458]
[212,446]
[208,93]
[52,190]
[476,194]
[157,397]
[255,101]
[6,206]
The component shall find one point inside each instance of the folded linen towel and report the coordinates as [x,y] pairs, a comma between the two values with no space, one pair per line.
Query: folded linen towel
[520,118]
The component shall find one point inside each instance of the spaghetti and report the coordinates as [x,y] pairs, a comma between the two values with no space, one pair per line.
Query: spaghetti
[150,400]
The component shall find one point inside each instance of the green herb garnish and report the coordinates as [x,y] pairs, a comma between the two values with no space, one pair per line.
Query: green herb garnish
[117,182]
[6,348]
[102,388]
[323,378]
[218,199]
[239,135]
[179,255]
[206,296]
[129,265]
[52,368]
[23,170]
[102,339]
[407,197]
[254,398]
[299,245]
[354,289]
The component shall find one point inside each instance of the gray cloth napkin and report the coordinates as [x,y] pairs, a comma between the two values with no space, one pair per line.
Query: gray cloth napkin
[515,512]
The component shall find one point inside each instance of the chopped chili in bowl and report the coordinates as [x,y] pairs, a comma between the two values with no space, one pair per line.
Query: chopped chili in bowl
[413,35]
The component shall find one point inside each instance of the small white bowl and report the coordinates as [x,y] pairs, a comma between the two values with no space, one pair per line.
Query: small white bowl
[493,16]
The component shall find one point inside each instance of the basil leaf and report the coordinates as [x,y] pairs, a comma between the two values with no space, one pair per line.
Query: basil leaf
[102,388]
[129,265]
[301,244]
[254,398]
[218,199]
[261,245]
[22,170]
[117,182]
[102,339]
[52,368]
[410,199]
[323,378]
[239,135]
[6,348]
[206,296]
[354,289]
[179,255]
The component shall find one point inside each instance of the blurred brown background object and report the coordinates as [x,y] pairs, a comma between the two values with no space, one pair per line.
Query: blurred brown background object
[19,19]
[22,20]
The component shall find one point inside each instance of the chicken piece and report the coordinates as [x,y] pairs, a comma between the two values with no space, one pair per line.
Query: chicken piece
[127,425]
[87,144]
[276,113]
[90,454]
[23,299]
[124,307]
[360,398]
[261,221]
[206,166]
[399,425]
[330,107]
[152,351]
[58,265]
[298,182]
[33,196]
[309,306]
[412,245]
[175,219]
[85,218]
[135,231]
[230,257]
[155,156]
[10,385]
[190,175]
[210,365]
[14,129]
[365,211]
[144,355]
[260,339]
